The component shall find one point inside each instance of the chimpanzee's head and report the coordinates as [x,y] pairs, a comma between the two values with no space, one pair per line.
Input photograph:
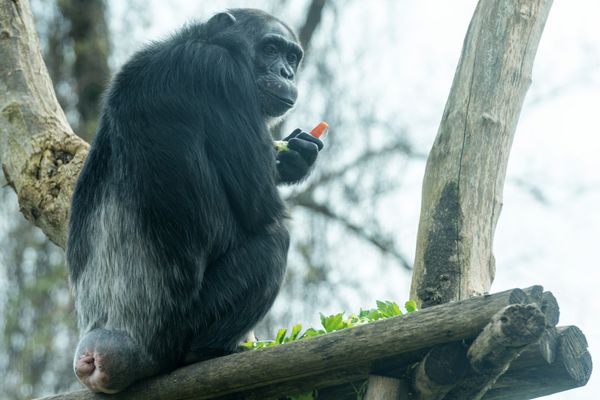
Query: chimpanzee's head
[277,55]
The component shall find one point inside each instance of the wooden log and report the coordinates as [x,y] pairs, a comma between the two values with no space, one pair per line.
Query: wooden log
[440,370]
[531,375]
[327,360]
[502,340]
[547,303]
[464,176]
[505,337]
[384,388]
[443,367]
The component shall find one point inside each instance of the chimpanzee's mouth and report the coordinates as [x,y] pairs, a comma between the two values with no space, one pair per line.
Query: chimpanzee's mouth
[284,100]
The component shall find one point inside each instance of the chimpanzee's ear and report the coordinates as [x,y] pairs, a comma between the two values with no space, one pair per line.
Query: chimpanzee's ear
[218,23]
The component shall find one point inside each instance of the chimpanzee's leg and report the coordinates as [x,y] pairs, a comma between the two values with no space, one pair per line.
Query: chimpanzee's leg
[238,290]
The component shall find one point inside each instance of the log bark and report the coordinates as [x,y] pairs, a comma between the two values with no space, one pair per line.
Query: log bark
[440,370]
[531,375]
[464,177]
[41,156]
[385,388]
[335,358]
[501,342]
[444,366]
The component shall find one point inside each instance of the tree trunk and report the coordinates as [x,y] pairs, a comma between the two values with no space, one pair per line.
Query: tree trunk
[464,177]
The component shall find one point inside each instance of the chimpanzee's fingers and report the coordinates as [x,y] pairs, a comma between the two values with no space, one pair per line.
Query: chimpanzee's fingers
[307,149]
[292,135]
[292,166]
[308,137]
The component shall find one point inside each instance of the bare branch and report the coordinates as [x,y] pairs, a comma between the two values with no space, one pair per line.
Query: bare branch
[384,244]
[360,162]
[313,19]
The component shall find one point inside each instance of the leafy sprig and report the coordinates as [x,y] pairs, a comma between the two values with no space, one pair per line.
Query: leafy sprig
[336,322]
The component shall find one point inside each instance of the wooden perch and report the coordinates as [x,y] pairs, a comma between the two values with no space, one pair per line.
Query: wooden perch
[531,375]
[386,347]
[440,370]
[510,330]
[502,340]
[445,365]
[382,387]
[325,360]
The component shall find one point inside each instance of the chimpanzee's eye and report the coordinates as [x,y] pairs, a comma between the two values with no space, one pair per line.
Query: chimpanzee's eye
[270,50]
[292,59]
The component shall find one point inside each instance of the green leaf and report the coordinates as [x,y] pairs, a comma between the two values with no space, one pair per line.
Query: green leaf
[388,308]
[249,345]
[332,322]
[295,332]
[311,332]
[374,315]
[336,322]
[264,343]
[280,336]
[411,306]
[382,307]
[304,396]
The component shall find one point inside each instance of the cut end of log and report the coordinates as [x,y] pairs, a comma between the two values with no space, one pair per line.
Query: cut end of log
[574,354]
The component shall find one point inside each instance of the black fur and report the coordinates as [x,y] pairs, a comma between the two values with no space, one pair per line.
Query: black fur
[177,246]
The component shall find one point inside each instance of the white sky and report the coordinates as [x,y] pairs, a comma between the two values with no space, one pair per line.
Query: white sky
[556,147]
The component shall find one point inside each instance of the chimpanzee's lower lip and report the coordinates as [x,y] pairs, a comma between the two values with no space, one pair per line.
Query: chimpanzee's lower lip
[288,102]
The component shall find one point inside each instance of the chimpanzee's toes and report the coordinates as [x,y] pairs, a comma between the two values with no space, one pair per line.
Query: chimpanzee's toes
[92,373]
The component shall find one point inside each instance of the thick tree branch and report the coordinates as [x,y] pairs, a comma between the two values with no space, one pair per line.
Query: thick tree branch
[313,20]
[464,178]
[501,342]
[41,157]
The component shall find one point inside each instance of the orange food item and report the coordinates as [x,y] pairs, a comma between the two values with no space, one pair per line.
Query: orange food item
[318,130]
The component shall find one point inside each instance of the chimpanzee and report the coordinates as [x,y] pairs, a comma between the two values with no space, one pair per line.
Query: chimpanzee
[177,245]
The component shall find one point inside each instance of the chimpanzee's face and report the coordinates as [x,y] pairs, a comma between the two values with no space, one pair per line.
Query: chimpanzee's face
[277,57]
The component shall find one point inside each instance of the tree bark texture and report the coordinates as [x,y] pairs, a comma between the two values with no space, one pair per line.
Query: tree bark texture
[384,388]
[464,177]
[41,157]
[440,370]
[531,375]
[501,342]
[489,356]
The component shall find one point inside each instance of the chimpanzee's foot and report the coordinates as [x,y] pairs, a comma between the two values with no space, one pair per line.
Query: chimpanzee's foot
[106,361]
[93,373]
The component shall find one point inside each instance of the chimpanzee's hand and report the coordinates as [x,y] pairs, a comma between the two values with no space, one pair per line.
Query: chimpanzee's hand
[294,163]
